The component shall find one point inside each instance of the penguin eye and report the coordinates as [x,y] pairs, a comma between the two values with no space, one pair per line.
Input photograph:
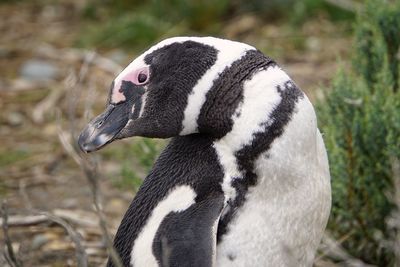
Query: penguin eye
[139,76]
[142,77]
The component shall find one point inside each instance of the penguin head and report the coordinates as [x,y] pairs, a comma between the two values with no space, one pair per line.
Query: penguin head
[165,92]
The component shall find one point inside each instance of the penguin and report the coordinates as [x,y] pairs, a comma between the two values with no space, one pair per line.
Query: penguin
[245,178]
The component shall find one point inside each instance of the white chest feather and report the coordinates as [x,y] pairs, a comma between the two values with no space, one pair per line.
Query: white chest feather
[259,99]
[285,214]
[177,200]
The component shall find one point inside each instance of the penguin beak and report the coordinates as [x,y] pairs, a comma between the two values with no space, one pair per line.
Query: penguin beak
[104,128]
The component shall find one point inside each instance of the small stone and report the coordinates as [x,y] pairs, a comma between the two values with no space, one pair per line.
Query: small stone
[313,44]
[70,203]
[39,70]
[15,118]
[38,241]
[20,84]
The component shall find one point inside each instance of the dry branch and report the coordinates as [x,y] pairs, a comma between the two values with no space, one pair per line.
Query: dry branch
[80,253]
[39,217]
[47,104]
[394,219]
[23,221]
[90,170]
[333,249]
[76,217]
[87,164]
[9,253]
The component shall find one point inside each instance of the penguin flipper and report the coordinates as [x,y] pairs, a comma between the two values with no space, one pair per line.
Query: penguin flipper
[188,238]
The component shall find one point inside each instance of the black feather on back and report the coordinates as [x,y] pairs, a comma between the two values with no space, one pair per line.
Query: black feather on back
[187,160]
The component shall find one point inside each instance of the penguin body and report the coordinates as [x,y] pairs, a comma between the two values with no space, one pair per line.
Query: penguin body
[245,179]
[175,209]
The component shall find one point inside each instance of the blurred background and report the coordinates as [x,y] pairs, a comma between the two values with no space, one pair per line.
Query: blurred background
[57,61]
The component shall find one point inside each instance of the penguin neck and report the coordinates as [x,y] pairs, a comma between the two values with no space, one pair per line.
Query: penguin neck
[223,100]
[269,101]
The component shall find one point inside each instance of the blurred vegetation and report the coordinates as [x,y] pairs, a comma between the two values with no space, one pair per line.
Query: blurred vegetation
[11,157]
[137,24]
[136,160]
[360,119]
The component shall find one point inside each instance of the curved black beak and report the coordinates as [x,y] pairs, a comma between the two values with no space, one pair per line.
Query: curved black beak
[104,128]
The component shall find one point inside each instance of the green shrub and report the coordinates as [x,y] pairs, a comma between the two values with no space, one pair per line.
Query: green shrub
[137,24]
[132,30]
[135,158]
[360,120]
[306,9]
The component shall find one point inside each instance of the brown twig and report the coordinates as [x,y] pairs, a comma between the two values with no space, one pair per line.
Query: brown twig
[80,252]
[51,100]
[89,168]
[23,221]
[76,90]
[333,249]
[9,253]
[41,217]
[76,217]
[394,219]
[92,178]
[24,195]
[87,164]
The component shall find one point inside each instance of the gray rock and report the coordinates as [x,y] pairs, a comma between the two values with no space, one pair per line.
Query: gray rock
[15,118]
[39,70]
[38,241]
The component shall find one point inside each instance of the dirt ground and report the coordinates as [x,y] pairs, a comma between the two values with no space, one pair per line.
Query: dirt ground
[36,172]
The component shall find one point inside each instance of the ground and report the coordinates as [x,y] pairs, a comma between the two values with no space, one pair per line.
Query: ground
[36,172]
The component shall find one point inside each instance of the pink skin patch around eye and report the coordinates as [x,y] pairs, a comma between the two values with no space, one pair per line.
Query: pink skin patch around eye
[117,95]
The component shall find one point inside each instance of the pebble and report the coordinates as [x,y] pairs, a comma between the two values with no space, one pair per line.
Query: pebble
[15,118]
[20,84]
[38,70]
[39,240]
[313,44]
[70,203]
